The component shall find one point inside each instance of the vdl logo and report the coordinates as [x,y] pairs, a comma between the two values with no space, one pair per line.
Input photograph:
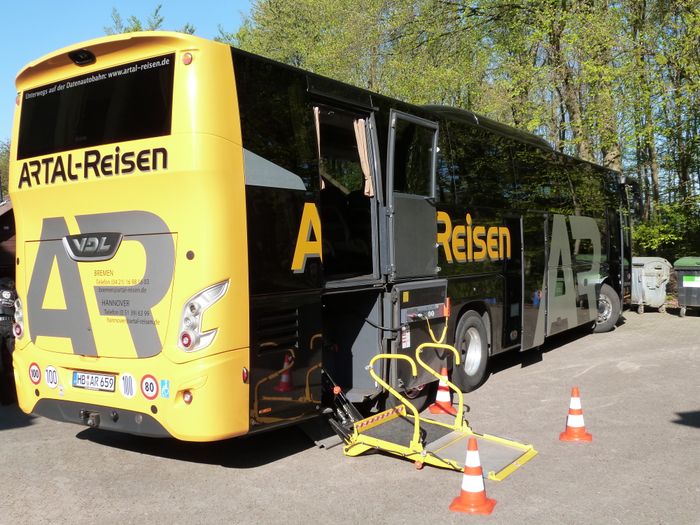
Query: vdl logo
[92,246]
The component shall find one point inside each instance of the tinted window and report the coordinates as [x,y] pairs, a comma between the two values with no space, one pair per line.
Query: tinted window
[413,158]
[544,180]
[482,167]
[129,102]
[276,119]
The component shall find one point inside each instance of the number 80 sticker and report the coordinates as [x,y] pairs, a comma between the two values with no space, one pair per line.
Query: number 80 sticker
[149,387]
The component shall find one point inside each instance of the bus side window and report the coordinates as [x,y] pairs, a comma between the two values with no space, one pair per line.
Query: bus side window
[483,168]
[444,176]
[275,121]
[413,158]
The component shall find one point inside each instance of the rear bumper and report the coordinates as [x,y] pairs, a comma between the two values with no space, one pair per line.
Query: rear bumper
[96,416]
[219,406]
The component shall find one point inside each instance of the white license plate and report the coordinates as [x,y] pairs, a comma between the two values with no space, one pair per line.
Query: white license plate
[104,382]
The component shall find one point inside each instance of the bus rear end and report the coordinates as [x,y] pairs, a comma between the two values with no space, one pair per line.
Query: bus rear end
[127,183]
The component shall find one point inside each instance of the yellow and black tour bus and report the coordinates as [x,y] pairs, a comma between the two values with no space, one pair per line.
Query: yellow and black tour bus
[210,243]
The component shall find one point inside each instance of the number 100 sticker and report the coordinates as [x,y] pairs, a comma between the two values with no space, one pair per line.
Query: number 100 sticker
[51,376]
[127,385]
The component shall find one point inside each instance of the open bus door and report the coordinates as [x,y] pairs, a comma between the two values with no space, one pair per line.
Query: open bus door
[350,199]
[412,219]
[419,307]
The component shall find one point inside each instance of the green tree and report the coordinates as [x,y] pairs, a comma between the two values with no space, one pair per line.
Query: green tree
[615,82]
[4,164]
[153,22]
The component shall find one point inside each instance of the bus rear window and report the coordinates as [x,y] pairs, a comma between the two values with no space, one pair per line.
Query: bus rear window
[129,102]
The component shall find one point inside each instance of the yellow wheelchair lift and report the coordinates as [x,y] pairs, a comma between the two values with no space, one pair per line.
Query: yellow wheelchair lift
[402,431]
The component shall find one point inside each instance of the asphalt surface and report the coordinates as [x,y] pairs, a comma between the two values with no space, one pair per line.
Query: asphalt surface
[640,390]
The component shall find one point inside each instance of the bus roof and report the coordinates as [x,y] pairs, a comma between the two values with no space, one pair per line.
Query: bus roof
[462,115]
[100,47]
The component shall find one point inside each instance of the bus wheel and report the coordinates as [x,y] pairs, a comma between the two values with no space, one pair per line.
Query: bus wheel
[472,343]
[608,309]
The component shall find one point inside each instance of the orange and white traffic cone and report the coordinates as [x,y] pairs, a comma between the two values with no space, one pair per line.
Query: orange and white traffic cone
[575,429]
[472,498]
[443,399]
[285,384]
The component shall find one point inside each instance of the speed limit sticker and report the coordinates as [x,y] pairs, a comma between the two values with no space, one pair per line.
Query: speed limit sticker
[35,373]
[51,376]
[149,387]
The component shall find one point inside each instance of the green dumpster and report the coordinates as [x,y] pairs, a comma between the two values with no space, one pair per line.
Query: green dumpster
[688,276]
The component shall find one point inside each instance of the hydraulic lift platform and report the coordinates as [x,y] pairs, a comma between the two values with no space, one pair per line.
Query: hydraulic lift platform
[402,431]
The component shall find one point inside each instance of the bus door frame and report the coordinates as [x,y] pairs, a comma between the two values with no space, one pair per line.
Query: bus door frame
[411,219]
[376,202]
[346,358]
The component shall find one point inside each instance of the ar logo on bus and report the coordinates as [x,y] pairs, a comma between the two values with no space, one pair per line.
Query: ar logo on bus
[60,259]
[93,246]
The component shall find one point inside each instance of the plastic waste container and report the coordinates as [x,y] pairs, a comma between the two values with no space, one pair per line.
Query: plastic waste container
[688,275]
[650,275]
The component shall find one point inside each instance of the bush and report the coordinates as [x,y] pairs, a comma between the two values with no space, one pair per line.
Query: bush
[672,233]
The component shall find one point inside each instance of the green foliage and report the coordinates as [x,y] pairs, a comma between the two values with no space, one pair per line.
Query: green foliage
[617,83]
[674,232]
[153,22]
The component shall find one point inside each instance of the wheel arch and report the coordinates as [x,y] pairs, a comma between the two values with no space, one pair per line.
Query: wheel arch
[481,308]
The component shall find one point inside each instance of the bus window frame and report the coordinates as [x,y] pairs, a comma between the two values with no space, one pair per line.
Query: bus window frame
[376,201]
[391,267]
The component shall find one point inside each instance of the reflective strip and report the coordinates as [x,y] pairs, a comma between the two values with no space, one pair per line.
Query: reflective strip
[443,394]
[472,459]
[374,419]
[472,483]
[575,403]
[574,421]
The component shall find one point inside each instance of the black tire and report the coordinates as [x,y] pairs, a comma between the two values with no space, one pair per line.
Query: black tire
[7,380]
[609,309]
[471,341]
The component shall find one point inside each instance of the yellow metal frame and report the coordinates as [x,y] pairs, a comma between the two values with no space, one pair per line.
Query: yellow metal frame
[359,442]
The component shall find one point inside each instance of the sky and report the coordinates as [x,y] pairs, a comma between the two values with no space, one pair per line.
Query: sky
[34,28]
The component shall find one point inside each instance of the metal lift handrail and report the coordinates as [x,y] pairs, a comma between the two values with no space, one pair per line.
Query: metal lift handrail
[459,423]
[415,440]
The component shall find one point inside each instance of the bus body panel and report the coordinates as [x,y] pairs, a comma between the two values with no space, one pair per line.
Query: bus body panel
[177,207]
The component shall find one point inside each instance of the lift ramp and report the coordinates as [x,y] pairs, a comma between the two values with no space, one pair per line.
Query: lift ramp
[403,432]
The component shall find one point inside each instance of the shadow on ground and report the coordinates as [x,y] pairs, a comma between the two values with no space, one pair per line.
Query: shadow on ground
[533,356]
[690,419]
[12,417]
[239,453]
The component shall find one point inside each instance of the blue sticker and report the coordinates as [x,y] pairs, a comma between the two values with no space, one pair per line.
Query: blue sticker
[165,388]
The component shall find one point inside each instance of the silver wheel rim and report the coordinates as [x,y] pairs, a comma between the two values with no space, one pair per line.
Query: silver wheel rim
[472,353]
[604,309]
